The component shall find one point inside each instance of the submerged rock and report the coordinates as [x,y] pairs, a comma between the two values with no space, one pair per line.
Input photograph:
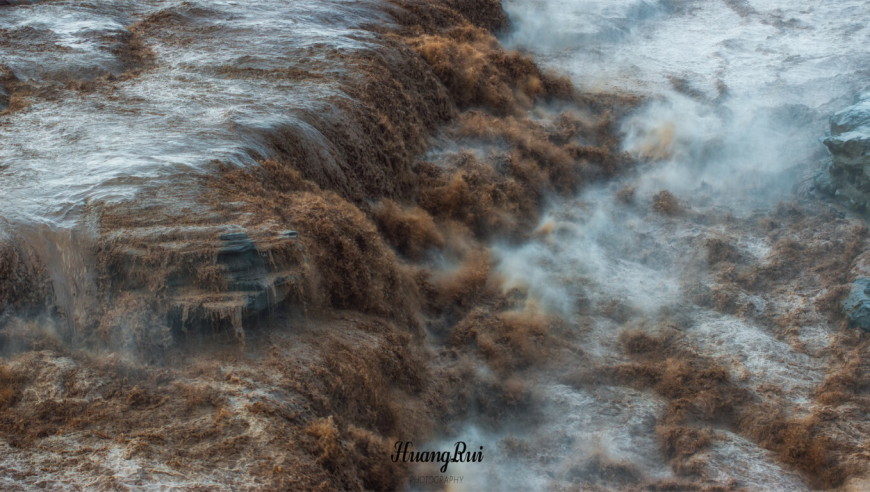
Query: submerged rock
[857,304]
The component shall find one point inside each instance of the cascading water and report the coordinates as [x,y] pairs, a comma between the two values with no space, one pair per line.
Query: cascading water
[737,94]
[253,245]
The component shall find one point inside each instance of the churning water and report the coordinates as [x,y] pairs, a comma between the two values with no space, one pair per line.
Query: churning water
[738,94]
[735,94]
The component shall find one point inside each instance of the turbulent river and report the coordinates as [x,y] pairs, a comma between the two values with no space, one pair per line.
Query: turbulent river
[740,92]
[252,245]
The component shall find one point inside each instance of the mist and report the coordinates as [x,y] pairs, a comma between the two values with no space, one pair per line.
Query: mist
[734,98]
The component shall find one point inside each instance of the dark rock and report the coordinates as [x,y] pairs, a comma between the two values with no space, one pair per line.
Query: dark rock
[857,304]
[234,236]
[846,175]
[225,277]
[16,3]
[235,243]
[6,78]
[856,116]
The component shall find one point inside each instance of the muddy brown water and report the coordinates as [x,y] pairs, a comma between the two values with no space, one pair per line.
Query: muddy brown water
[251,245]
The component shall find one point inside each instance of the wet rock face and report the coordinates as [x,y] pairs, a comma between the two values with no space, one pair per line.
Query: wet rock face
[6,79]
[857,304]
[25,286]
[16,3]
[847,176]
[213,276]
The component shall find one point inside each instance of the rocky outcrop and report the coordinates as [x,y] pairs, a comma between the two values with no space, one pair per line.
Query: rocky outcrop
[857,304]
[7,78]
[25,286]
[846,176]
[205,275]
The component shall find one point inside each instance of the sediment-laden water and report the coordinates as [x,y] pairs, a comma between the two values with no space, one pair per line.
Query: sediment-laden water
[251,246]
